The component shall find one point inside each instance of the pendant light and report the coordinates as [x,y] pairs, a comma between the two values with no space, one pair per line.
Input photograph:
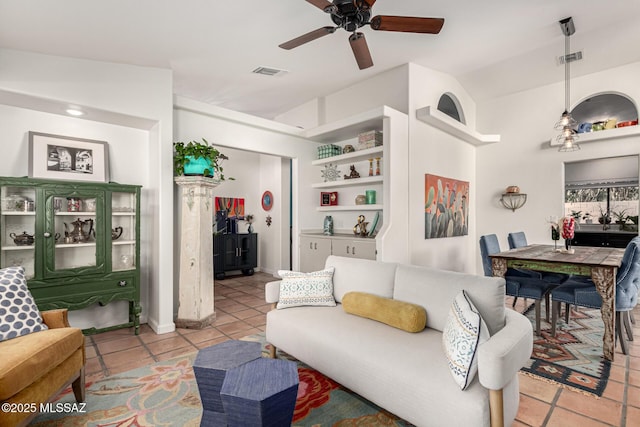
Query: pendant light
[568,137]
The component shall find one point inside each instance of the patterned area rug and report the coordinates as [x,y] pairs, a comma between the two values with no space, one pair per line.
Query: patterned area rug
[166,394]
[573,358]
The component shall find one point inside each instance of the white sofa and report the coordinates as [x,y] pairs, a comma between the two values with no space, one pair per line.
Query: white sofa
[407,373]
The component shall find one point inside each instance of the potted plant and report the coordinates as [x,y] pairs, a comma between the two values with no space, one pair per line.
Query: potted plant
[621,216]
[197,158]
[604,218]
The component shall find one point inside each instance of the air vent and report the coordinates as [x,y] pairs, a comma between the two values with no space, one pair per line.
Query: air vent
[267,71]
[572,57]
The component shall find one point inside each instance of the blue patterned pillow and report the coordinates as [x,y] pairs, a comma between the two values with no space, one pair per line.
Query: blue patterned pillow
[463,333]
[19,314]
[298,289]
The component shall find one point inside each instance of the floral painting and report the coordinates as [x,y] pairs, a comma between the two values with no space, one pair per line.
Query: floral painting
[446,207]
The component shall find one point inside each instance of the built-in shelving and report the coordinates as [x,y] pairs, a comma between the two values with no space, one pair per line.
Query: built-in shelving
[367,180]
[602,135]
[349,208]
[438,119]
[355,156]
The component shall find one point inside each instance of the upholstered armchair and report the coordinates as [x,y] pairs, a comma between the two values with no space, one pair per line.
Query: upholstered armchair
[519,283]
[36,367]
[582,292]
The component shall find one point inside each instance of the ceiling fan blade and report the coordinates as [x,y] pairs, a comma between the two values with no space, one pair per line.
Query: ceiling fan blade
[407,24]
[360,50]
[364,4]
[324,5]
[306,38]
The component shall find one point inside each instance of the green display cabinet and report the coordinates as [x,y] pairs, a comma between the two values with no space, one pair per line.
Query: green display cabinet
[79,242]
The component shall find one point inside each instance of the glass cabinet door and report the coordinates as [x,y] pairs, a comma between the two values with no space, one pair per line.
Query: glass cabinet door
[18,225]
[123,231]
[73,233]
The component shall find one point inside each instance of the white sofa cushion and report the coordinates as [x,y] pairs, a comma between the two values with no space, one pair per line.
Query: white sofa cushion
[431,288]
[463,333]
[315,288]
[361,275]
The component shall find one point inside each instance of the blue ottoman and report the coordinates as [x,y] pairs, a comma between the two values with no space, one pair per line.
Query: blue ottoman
[211,367]
[260,393]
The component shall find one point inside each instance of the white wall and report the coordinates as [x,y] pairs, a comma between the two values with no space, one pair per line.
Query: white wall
[438,153]
[523,157]
[236,132]
[130,107]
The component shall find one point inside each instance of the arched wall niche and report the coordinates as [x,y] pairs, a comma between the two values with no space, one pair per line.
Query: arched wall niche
[603,106]
[449,105]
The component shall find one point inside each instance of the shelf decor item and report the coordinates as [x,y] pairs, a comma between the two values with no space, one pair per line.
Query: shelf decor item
[370,196]
[68,158]
[330,173]
[329,150]
[370,139]
[328,198]
[198,158]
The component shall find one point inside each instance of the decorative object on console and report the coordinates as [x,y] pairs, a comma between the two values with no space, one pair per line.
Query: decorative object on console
[329,150]
[446,208]
[370,139]
[327,227]
[267,200]
[374,224]
[69,158]
[116,233]
[298,289]
[463,333]
[198,158]
[512,198]
[353,173]
[370,196]
[360,229]
[330,173]
[328,198]
[249,218]
[348,149]
[568,138]
[23,239]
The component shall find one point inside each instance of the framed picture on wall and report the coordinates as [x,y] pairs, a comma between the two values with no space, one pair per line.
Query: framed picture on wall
[66,157]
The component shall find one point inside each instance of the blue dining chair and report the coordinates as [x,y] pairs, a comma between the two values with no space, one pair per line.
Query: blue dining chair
[518,240]
[519,283]
[582,292]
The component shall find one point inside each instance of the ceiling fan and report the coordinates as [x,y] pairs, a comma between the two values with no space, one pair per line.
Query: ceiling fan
[350,15]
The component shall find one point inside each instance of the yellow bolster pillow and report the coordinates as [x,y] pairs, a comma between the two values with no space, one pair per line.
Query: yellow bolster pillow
[399,314]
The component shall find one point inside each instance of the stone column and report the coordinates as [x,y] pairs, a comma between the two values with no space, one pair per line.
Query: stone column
[196,308]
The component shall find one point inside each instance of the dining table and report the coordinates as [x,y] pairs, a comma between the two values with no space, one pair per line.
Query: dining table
[599,263]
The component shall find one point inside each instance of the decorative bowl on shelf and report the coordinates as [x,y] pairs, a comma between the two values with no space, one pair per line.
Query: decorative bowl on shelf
[23,239]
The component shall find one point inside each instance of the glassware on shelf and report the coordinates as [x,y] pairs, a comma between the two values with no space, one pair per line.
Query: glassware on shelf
[126,261]
[74,204]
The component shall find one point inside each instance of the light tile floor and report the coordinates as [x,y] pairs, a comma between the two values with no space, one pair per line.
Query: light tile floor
[240,311]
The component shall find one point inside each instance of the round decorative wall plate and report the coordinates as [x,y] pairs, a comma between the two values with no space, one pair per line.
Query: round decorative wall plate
[267,200]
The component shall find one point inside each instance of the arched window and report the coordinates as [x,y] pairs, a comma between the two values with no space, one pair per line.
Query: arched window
[449,105]
[605,106]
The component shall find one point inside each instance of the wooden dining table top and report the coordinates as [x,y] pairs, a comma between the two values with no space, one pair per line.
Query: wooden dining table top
[544,257]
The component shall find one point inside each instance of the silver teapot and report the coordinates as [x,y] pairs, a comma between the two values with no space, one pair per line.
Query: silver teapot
[23,239]
[77,234]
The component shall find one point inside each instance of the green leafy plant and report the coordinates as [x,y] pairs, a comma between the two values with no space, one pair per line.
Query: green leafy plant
[182,153]
[621,216]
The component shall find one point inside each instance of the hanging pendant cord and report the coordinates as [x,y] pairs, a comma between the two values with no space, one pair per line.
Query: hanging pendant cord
[567,88]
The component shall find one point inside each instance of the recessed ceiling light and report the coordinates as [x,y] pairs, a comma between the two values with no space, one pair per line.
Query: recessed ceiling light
[75,112]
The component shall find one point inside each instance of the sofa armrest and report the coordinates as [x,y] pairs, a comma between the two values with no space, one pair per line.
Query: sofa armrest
[55,318]
[272,291]
[508,350]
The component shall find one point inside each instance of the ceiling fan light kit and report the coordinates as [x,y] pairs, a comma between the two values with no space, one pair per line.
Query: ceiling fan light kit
[350,15]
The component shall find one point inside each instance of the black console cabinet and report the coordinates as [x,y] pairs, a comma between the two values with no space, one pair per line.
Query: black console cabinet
[234,252]
[609,239]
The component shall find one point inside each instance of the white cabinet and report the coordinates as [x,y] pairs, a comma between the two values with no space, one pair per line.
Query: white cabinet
[314,249]
[313,252]
[354,248]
